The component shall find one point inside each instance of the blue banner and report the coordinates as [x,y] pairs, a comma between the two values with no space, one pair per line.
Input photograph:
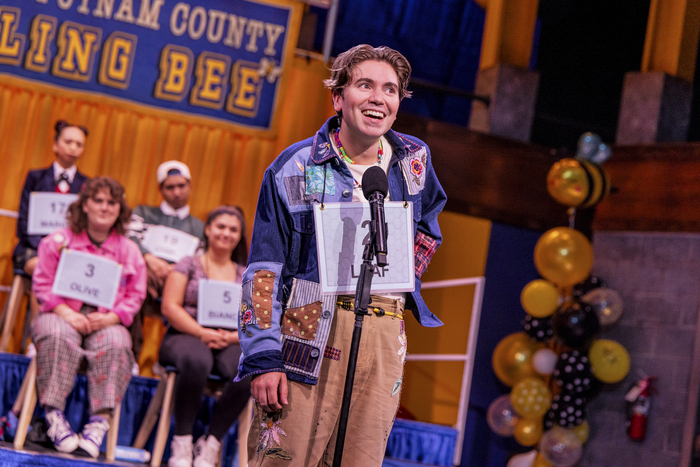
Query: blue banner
[213,58]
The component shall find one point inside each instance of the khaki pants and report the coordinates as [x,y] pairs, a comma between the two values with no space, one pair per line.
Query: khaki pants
[304,433]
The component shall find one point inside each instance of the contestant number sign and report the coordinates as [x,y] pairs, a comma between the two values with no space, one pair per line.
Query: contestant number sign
[168,243]
[47,211]
[218,303]
[89,278]
[342,231]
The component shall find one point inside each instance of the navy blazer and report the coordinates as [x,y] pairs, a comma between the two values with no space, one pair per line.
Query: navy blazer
[38,180]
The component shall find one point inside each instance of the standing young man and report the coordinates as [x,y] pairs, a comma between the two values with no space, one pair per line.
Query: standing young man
[299,367]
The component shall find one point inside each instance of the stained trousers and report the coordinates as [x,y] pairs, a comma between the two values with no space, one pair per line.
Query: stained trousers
[59,351]
[304,433]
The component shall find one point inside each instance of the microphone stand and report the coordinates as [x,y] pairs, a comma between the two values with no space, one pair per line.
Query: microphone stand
[362,293]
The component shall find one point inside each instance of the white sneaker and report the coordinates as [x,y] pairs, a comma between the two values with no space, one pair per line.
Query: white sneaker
[206,452]
[180,451]
[63,437]
[92,435]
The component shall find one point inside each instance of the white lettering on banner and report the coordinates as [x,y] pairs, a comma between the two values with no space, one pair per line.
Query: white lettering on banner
[195,21]
[149,11]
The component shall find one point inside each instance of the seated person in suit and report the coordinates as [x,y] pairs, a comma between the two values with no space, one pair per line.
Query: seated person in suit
[68,330]
[195,350]
[62,177]
[175,186]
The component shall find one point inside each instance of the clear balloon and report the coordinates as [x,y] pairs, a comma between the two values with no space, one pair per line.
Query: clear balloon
[603,154]
[512,358]
[528,431]
[501,416]
[588,145]
[563,256]
[522,460]
[607,304]
[610,361]
[540,298]
[560,447]
[530,398]
[545,361]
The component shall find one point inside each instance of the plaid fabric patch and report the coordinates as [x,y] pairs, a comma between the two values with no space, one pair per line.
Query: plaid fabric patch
[424,248]
[330,352]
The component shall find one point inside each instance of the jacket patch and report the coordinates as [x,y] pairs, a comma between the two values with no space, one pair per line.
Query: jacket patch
[414,167]
[302,322]
[424,248]
[296,190]
[263,285]
[314,180]
[299,355]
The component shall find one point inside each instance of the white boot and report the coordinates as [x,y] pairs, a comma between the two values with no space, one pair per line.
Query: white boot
[180,451]
[206,452]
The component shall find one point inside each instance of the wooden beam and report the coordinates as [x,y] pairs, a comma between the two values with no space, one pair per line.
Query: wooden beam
[655,188]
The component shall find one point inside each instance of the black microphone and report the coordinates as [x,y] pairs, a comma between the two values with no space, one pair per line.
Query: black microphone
[375,187]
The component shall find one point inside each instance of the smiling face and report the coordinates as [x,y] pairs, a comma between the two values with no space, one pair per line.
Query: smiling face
[69,146]
[224,233]
[369,103]
[102,212]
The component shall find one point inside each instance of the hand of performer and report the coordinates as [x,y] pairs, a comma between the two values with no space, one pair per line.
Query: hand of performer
[161,267]
[270,390]
[79,321]
[102,320]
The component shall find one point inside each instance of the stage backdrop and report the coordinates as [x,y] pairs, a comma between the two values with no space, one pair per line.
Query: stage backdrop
[223,59]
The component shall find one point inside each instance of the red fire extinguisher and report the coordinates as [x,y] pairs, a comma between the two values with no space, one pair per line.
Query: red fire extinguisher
[638,404]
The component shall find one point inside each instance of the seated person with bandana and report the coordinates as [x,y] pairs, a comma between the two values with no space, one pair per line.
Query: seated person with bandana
[175,184]
[61,177]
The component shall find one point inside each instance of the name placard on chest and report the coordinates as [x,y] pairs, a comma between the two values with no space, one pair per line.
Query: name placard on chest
[88,278]
[47,211]
[342,231]
[218,303]
[168,243]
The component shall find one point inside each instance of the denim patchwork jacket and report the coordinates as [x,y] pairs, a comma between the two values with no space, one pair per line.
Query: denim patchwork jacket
[282,274]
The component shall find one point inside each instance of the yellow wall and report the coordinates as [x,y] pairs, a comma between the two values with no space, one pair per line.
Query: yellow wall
[432,389]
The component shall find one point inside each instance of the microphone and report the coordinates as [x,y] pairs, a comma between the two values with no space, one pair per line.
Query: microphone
[375,187]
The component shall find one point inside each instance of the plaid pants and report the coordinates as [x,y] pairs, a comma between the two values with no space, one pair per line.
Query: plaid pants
[61,349]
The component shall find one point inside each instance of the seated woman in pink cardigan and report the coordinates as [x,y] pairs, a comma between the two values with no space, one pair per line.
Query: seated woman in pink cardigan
[68,330]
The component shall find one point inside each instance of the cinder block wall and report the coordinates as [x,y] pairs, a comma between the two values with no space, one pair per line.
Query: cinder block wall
[658,276]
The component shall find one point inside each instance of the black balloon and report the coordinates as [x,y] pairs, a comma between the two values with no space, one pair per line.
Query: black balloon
[539,329]
[573,373]
[591,282]
[566,411]
[575,323]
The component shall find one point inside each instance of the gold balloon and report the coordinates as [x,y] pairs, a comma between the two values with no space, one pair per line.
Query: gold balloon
[540,461]
[577,182]
[530,398]
[540,298]
[563,256]
[582,431]
[610,361]
[512,358]
[528,431]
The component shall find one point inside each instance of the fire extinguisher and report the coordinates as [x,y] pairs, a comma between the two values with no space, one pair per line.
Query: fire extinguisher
[638,405]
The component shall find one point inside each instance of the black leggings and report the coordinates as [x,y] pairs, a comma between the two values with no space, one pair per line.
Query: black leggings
[194,362]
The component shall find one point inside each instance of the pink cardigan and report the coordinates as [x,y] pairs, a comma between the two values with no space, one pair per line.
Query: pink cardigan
[132,289]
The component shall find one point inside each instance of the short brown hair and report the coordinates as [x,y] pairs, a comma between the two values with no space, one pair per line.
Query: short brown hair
[77,219]
[345,63]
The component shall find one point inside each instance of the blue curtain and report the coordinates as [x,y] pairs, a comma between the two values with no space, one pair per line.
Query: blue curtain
[509,267]
[441,40]
[134,406]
